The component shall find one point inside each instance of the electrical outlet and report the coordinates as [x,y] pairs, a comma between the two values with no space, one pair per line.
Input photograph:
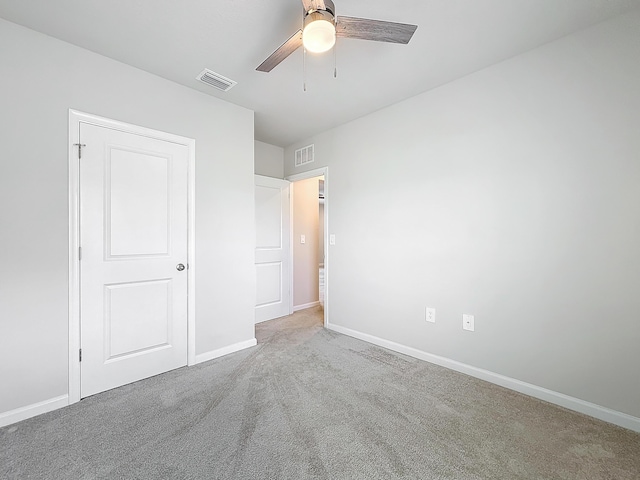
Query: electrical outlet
[303,239]
[468,322]
[430,314]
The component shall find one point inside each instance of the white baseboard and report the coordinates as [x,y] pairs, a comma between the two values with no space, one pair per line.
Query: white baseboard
[305,306]
[22,413]
[236,347]
[571,403]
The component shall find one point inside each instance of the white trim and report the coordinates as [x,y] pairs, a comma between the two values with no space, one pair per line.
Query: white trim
[22,413]
[191,254]
[220,352]
[75,119]
[566,401]
[318,172]
[74,264]
[297,308]
[292,197]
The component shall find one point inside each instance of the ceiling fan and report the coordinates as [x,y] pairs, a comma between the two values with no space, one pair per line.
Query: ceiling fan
[321,26]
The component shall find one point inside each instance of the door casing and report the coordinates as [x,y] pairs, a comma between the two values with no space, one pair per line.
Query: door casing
[75,119]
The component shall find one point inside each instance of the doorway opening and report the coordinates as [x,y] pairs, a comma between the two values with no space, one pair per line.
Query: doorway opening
[309,252]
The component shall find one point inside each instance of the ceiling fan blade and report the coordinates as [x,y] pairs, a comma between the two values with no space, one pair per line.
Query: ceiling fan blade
[283,51]
[379,31]
[313,5]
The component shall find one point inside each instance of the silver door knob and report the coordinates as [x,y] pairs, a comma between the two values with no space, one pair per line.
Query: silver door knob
[180,267]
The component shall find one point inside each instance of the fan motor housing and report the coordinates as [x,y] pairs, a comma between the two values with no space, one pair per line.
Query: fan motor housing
[318,15]
[329,7]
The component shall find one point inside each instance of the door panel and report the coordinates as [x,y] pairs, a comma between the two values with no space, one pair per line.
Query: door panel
[133,234]
[138,218]
[269,217]
[272,248]
[133,307]
[269,277]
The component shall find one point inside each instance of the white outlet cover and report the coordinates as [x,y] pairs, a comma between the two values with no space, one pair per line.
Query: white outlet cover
[303,239]
[430,314]
[468,322]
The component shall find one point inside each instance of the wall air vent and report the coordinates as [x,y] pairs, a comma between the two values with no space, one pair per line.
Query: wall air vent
[215,80]
[304,155]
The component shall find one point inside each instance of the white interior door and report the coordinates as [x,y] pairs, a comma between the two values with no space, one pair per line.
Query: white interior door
[272,248]
[133,238]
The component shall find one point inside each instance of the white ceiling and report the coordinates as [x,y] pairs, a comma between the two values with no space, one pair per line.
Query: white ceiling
[178,39]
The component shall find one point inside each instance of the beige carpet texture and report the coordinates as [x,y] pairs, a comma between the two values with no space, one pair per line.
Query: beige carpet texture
[308,403]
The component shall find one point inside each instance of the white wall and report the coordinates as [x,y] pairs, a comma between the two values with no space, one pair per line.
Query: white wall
[269,160]
[40,79]
[305,256]
[512,194]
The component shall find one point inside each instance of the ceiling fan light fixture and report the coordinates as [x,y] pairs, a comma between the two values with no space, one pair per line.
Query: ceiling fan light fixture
[320,27]
[319,34]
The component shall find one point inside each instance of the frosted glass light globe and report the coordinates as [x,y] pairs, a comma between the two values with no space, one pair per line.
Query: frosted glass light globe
[319,36]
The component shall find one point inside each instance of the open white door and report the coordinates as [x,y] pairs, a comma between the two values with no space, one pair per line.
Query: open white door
[133,266]
[272,248]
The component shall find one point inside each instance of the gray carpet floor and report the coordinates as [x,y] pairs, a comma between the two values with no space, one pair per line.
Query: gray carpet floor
[307,403]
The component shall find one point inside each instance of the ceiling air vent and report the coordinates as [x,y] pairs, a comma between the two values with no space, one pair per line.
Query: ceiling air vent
[304,155]
[215,80]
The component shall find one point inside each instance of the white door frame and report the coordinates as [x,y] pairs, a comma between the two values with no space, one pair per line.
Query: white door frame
[75,119]
[304,176]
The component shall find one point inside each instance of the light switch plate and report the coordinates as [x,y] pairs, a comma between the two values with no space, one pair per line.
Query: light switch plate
[468,322]
[332,239]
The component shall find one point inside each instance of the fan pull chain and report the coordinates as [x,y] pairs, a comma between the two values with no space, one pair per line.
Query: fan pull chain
[335,61]
[304,69]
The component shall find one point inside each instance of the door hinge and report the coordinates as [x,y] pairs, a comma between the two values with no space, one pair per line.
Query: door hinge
[80,354]
[79,253]
[80,145]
